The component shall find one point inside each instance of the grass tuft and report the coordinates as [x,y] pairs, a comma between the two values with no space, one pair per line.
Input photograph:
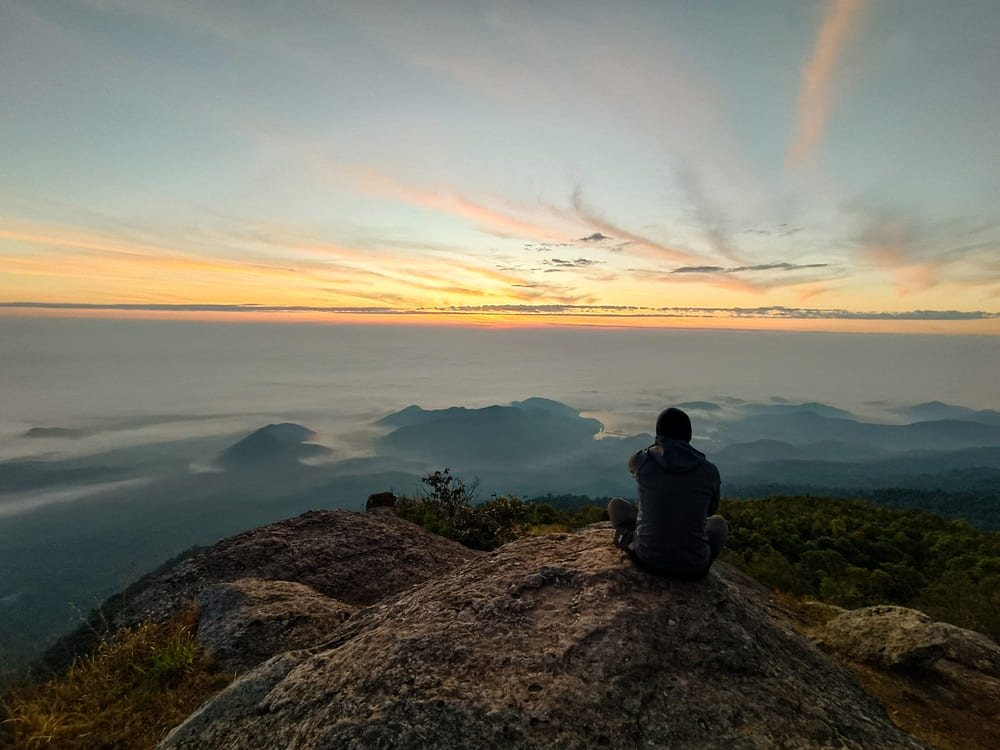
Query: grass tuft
[133,689]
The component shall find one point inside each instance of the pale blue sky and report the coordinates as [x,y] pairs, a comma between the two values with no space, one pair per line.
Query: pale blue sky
[818,156]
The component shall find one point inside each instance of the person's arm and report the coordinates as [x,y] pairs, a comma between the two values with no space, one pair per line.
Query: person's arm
[713,503]
[636,461]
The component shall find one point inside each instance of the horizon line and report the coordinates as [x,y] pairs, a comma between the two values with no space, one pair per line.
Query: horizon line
[766,312]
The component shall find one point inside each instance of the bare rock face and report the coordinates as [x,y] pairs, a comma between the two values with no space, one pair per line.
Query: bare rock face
[937,680]
[246,622]
[343,555]
[904,639]
[381,502]
[550,642]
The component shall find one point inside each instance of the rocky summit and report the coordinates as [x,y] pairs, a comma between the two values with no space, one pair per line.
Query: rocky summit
[553,641]
[347,560]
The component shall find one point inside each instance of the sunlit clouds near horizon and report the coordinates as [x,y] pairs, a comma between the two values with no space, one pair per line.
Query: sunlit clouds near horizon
[830,163]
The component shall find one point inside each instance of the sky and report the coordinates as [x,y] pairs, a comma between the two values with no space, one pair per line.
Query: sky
[787,163]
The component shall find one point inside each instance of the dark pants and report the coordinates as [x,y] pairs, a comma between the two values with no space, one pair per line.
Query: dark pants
[623,515]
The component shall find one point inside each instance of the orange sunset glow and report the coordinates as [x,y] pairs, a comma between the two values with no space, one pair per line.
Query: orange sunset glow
[391,175]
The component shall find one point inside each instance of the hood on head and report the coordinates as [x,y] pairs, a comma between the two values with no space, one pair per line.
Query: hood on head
[676,456]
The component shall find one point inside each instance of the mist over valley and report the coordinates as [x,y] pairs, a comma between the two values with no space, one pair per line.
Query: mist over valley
[125,443]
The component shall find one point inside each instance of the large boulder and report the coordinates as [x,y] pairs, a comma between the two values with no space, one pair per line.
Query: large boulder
[937,680]
[245,622]
[904,639]
[551,642]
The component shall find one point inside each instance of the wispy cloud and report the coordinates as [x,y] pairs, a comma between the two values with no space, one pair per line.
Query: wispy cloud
[593,218]
[913,253]
[813,109]
[710,219]
[782,230]
[741,269]
[295,266]
[754,279]
[949,258]
[564,263]
[489,219]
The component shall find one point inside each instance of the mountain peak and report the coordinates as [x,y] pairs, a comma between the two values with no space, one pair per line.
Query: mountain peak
[554,640]
[281,442]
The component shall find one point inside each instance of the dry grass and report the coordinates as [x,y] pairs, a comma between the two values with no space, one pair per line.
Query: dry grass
[127,695]
[950,715]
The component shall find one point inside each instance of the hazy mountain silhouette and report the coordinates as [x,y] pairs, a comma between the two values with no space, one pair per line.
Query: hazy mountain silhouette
[529,432]
[55,432]
[812,407]
[936,411]
[21,476]
[415,415]
[778,450]
[276,443]
[527,448]
[699,406]
[808,426]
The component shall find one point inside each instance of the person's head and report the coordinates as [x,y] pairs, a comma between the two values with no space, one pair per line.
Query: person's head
[673,424]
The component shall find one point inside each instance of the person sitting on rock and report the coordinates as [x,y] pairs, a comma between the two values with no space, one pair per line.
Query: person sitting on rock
[674,531]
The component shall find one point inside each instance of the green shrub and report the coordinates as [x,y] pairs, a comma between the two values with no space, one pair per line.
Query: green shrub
[852,554]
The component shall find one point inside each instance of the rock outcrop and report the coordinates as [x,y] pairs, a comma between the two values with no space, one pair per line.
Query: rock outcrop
[937,680]
[246,622]
[351,558]
[904,639]
[555,641]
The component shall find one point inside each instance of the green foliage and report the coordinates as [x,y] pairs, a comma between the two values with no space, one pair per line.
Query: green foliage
[979,504]
[447,507]
[852,554]
[843,552]
[570,503]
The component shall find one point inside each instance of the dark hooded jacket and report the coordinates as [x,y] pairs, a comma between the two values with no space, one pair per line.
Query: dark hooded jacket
[678,490]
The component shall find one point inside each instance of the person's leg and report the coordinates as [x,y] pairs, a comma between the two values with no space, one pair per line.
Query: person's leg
[718,533]
[622,513]
[623,516]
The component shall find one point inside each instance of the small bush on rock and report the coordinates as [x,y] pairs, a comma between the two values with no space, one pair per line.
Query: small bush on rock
[447,508]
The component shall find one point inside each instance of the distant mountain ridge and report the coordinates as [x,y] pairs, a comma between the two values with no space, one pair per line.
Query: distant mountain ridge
[525,431]
[198,489]
[936,410]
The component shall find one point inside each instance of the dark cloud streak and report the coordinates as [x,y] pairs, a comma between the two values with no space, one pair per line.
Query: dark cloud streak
[764,313]
[740,269]
[578,263]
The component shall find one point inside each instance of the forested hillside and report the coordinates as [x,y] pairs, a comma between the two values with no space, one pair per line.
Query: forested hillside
[851,553]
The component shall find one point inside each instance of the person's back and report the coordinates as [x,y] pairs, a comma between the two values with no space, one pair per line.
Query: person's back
[678,491]
[675,530]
